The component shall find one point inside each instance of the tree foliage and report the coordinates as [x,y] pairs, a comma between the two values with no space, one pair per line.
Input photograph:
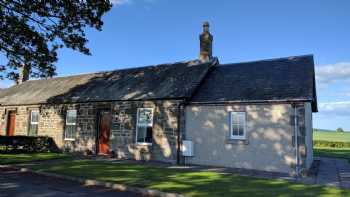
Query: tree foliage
[340,129]
[31,32]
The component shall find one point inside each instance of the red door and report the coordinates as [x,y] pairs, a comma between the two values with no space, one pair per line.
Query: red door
[11,123]
[104,131]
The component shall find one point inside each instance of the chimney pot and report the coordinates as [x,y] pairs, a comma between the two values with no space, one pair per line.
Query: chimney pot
[206,44]
[24,72]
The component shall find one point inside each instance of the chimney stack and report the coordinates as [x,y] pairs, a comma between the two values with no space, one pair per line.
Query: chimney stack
[24,72]
[206,44]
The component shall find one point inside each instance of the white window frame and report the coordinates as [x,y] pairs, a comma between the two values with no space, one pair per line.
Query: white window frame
[34,123]
[31,115]
[137,125]
[238,137]
[70,123]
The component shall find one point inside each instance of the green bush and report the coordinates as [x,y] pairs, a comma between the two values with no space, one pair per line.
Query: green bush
[27,144]
[324,143]
[340,130]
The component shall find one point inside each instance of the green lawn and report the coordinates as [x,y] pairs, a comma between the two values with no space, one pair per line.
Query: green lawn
[199,183]
[332,136]
[20,158]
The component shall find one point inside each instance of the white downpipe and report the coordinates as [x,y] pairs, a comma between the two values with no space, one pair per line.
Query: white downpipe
[296,142]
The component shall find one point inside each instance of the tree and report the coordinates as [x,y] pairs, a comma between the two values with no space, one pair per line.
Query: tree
[340,130]
[31,32]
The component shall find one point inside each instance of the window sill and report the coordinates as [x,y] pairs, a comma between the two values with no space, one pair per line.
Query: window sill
[237,141]
[69,139]
[237,138]
[143,143]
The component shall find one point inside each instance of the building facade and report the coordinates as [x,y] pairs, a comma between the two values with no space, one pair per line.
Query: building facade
[253,115]
[250,136]
[81,127]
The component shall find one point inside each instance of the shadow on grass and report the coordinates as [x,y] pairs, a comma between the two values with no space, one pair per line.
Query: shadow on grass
[190,183]
[30,157]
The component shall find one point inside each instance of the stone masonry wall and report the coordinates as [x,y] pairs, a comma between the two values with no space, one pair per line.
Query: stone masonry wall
[164,131]
[123,127]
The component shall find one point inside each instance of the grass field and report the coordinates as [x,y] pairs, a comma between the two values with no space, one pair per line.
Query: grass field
[332,136]
[190,183]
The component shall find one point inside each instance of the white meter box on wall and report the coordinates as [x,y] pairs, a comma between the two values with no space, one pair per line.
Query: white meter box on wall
[187,148]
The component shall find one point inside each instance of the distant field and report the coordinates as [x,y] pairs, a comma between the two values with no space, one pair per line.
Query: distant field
[325,130]
[331,136]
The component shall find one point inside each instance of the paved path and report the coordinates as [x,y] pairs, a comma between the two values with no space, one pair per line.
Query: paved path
[334,172]
[21,184]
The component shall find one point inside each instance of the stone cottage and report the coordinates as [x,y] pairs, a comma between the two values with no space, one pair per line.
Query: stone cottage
[252,115]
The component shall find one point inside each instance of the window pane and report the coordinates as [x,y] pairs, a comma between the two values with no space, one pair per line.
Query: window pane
[241,130]
[71,116]
[240,118]
[33,130]
[141,134]
[234,118]
[70,131]
[149,135]
[144,125]
[235,130]
[33,124]
[145,117]
[238,124]
[34,116]
[70,128]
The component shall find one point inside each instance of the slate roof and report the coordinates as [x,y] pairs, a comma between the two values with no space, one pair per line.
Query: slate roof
[166,81]
[282,79]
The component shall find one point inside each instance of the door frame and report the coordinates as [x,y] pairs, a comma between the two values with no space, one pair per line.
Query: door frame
[8,111]
[98,119]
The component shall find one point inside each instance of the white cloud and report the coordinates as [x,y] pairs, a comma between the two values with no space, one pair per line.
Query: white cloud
[120,2]
[332,73]
[344,93]
[337,108]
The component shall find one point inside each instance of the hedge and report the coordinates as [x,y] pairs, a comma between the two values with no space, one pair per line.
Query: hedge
[27,144]
[324,143]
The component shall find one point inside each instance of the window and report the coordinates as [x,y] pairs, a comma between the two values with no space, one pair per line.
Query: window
[34,121]
[238,125]
[144,126]
[71,125]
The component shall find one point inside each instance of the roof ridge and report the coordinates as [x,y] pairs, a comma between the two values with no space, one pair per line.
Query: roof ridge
[269,59]
[194,62]
[174,81]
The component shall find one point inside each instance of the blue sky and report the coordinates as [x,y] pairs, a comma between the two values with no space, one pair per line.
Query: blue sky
[144,32]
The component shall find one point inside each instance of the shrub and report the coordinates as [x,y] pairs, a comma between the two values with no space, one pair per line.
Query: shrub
[27,144]
[324,143]
[340,130]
